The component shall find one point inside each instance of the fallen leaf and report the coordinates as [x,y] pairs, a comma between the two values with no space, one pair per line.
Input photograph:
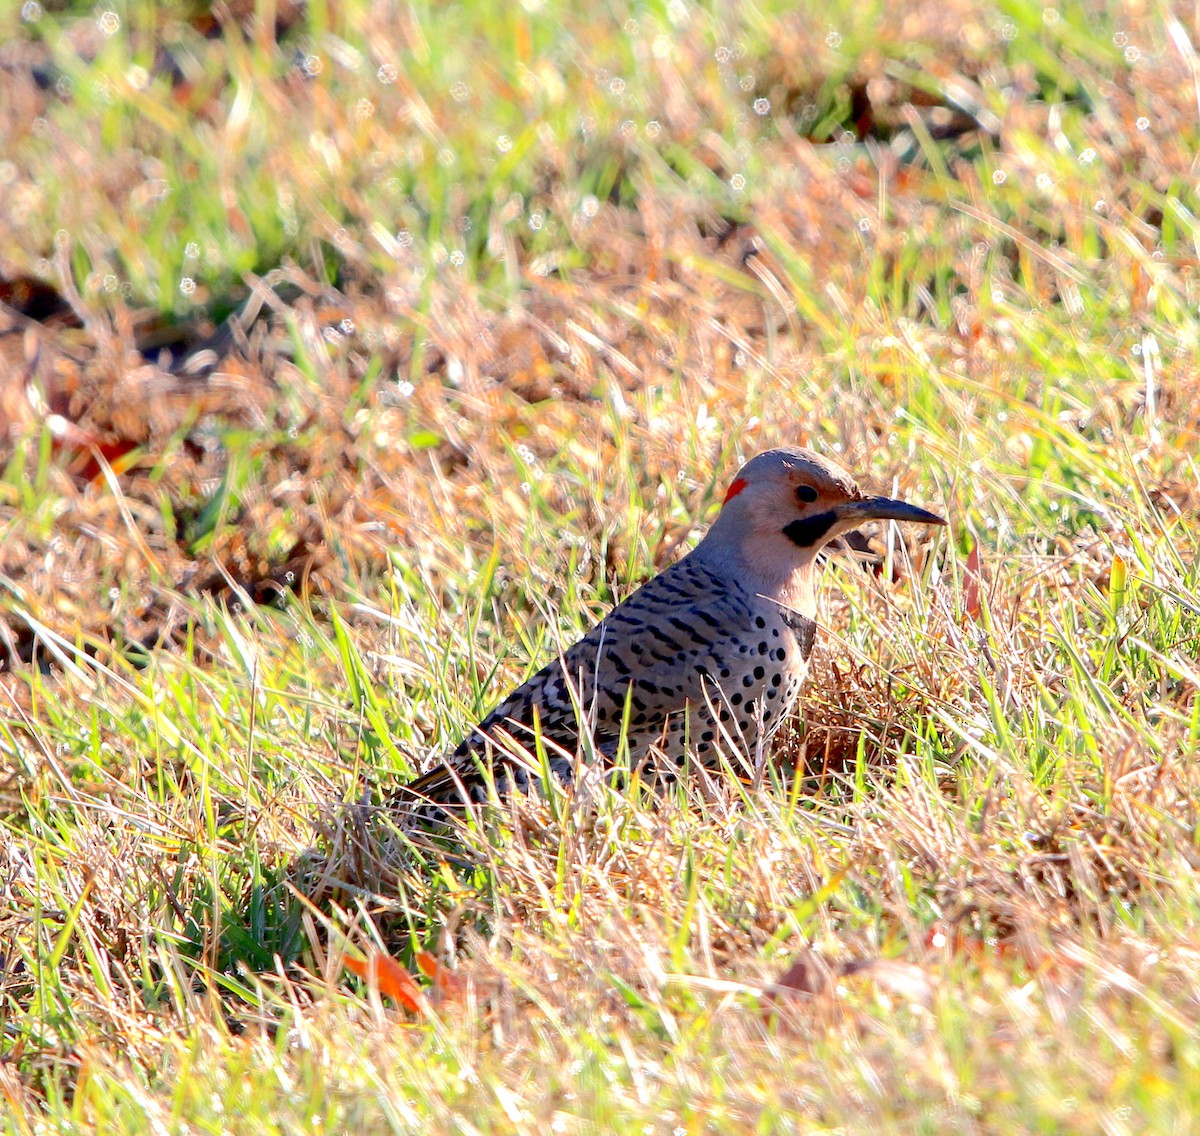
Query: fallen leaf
[972,576]
[814,979]
[391,979]
[810,974]
[449,985]
[904,979]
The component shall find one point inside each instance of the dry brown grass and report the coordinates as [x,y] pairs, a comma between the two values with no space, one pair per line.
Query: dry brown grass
[256,566]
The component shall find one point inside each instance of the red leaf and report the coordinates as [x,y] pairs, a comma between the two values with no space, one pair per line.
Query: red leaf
[813,979]
[809,975]
[972,577]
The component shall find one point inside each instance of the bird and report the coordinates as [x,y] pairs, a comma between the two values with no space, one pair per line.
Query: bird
[707,657]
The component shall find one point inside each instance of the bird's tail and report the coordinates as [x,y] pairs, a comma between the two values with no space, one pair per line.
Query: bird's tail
[487,767]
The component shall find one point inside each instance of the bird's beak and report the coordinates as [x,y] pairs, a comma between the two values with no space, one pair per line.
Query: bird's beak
[885,509]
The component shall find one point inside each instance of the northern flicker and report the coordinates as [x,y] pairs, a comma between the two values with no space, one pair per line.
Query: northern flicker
[707,657]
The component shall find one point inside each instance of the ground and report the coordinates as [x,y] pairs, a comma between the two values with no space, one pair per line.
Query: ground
[355,355]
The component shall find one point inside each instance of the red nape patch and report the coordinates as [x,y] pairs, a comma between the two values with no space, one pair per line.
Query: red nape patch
[735,489]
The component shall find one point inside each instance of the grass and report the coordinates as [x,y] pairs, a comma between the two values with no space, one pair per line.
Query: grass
[513,289]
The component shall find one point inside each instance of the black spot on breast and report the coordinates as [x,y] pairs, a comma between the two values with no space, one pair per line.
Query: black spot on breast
[759,673]
[808,531]
[759,622]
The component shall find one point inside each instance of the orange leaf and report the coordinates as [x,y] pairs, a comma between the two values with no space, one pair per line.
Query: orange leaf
[391,978]
[449,984]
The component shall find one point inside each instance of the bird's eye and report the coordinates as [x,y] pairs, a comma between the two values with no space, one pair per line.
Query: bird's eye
[806,494]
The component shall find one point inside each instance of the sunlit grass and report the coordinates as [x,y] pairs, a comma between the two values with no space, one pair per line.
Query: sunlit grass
[533,279]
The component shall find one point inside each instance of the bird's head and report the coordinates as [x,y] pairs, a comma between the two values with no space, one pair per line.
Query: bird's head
[784,506]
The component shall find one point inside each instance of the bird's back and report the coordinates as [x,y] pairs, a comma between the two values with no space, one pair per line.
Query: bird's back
[691,661]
